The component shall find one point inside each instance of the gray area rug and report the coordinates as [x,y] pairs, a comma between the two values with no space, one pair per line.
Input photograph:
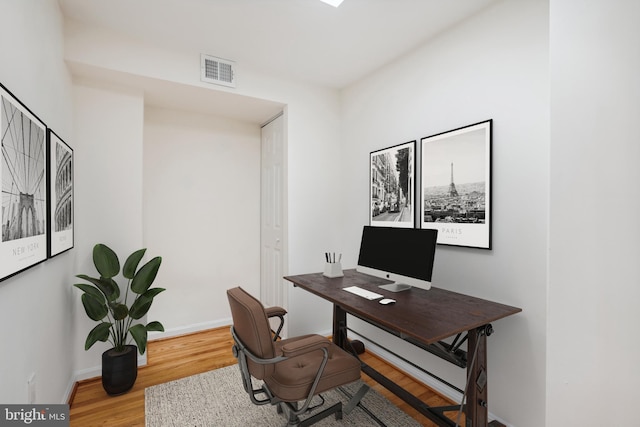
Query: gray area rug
[217,398]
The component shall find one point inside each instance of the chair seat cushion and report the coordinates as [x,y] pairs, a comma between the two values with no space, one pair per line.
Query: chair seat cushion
[292,379]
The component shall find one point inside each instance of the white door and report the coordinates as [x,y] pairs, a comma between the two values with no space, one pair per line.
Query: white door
[273,290]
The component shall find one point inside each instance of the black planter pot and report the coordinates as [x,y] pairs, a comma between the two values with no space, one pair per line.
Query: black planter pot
[119,370]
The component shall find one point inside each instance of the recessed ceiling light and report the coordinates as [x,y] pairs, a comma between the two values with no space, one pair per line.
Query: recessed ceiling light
[334,3]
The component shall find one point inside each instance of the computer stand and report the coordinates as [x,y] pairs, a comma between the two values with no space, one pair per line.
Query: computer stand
[396,287]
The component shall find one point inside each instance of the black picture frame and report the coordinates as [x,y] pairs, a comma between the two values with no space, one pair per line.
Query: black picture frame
[61,195]
[23,172]
[392,186]
[460,208]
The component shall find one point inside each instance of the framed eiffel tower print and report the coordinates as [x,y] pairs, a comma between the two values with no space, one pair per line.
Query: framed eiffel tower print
[23,172]
[456,185]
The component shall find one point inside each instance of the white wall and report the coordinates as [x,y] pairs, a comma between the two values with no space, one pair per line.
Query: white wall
[313,147]
[314,190]
[201,213]
[108,185]
[108,141]
[493,66]
[592,350]
[35,305]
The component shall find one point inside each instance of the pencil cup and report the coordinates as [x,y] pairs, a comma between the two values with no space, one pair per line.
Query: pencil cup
[333,269]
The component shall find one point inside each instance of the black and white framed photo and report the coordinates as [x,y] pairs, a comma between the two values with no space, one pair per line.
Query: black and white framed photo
[23,172]
[456,185]
[392,186]
[60,195]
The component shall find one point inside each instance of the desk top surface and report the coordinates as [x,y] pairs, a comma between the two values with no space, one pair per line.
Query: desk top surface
[428,316]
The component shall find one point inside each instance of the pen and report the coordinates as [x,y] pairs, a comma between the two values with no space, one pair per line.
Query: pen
[330,257]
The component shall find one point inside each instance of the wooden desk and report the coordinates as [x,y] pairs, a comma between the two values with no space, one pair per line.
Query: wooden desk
[422,318]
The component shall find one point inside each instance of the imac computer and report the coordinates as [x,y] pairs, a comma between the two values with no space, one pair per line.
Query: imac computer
[403,255]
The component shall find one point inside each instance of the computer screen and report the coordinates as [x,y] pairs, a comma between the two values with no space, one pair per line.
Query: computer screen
[403,255]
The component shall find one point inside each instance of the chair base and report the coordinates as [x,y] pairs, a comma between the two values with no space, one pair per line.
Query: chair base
[295,421]
[289,410]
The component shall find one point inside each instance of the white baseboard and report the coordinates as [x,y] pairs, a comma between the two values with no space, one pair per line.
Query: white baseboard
[67,393]
[431,382]
[89,373]
[436,385]
[96,371]
[196,327]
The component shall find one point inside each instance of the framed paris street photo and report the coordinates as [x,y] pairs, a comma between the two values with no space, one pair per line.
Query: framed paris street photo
[456,185]
[392,186]
[24,187]
[60,195]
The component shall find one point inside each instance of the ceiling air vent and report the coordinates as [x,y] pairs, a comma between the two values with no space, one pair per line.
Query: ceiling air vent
[217,70]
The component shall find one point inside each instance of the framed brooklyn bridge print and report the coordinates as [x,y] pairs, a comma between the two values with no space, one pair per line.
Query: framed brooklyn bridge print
[456,185]
[60,195]
[392,186]
[24,187]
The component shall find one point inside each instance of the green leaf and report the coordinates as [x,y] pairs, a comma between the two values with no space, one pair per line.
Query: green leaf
[92,290]
[145,276]
[108,287]
[155,326]
[140,308]
[141,305]
[106,261]
[131,264]
[99,333]
[113,286]
[153,292]
[139,334]
[95,308]
[119,311]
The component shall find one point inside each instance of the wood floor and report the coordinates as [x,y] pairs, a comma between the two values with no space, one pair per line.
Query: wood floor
[173,358]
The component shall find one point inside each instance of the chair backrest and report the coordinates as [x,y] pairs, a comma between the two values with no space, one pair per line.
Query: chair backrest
[251,325]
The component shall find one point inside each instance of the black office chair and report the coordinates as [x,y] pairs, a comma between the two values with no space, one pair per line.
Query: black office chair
[293,370]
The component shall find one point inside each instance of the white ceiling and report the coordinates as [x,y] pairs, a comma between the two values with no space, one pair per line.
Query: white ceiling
[305,40]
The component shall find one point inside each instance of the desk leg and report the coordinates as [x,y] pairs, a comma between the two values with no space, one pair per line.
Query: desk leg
[476,408]
[339,326]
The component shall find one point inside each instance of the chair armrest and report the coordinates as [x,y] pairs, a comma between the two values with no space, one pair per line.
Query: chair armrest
[305,345]
[275,311]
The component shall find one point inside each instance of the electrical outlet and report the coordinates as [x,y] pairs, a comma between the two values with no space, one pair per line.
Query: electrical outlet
[31,388]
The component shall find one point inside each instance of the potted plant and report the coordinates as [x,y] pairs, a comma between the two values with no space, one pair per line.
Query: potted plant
[104,302]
